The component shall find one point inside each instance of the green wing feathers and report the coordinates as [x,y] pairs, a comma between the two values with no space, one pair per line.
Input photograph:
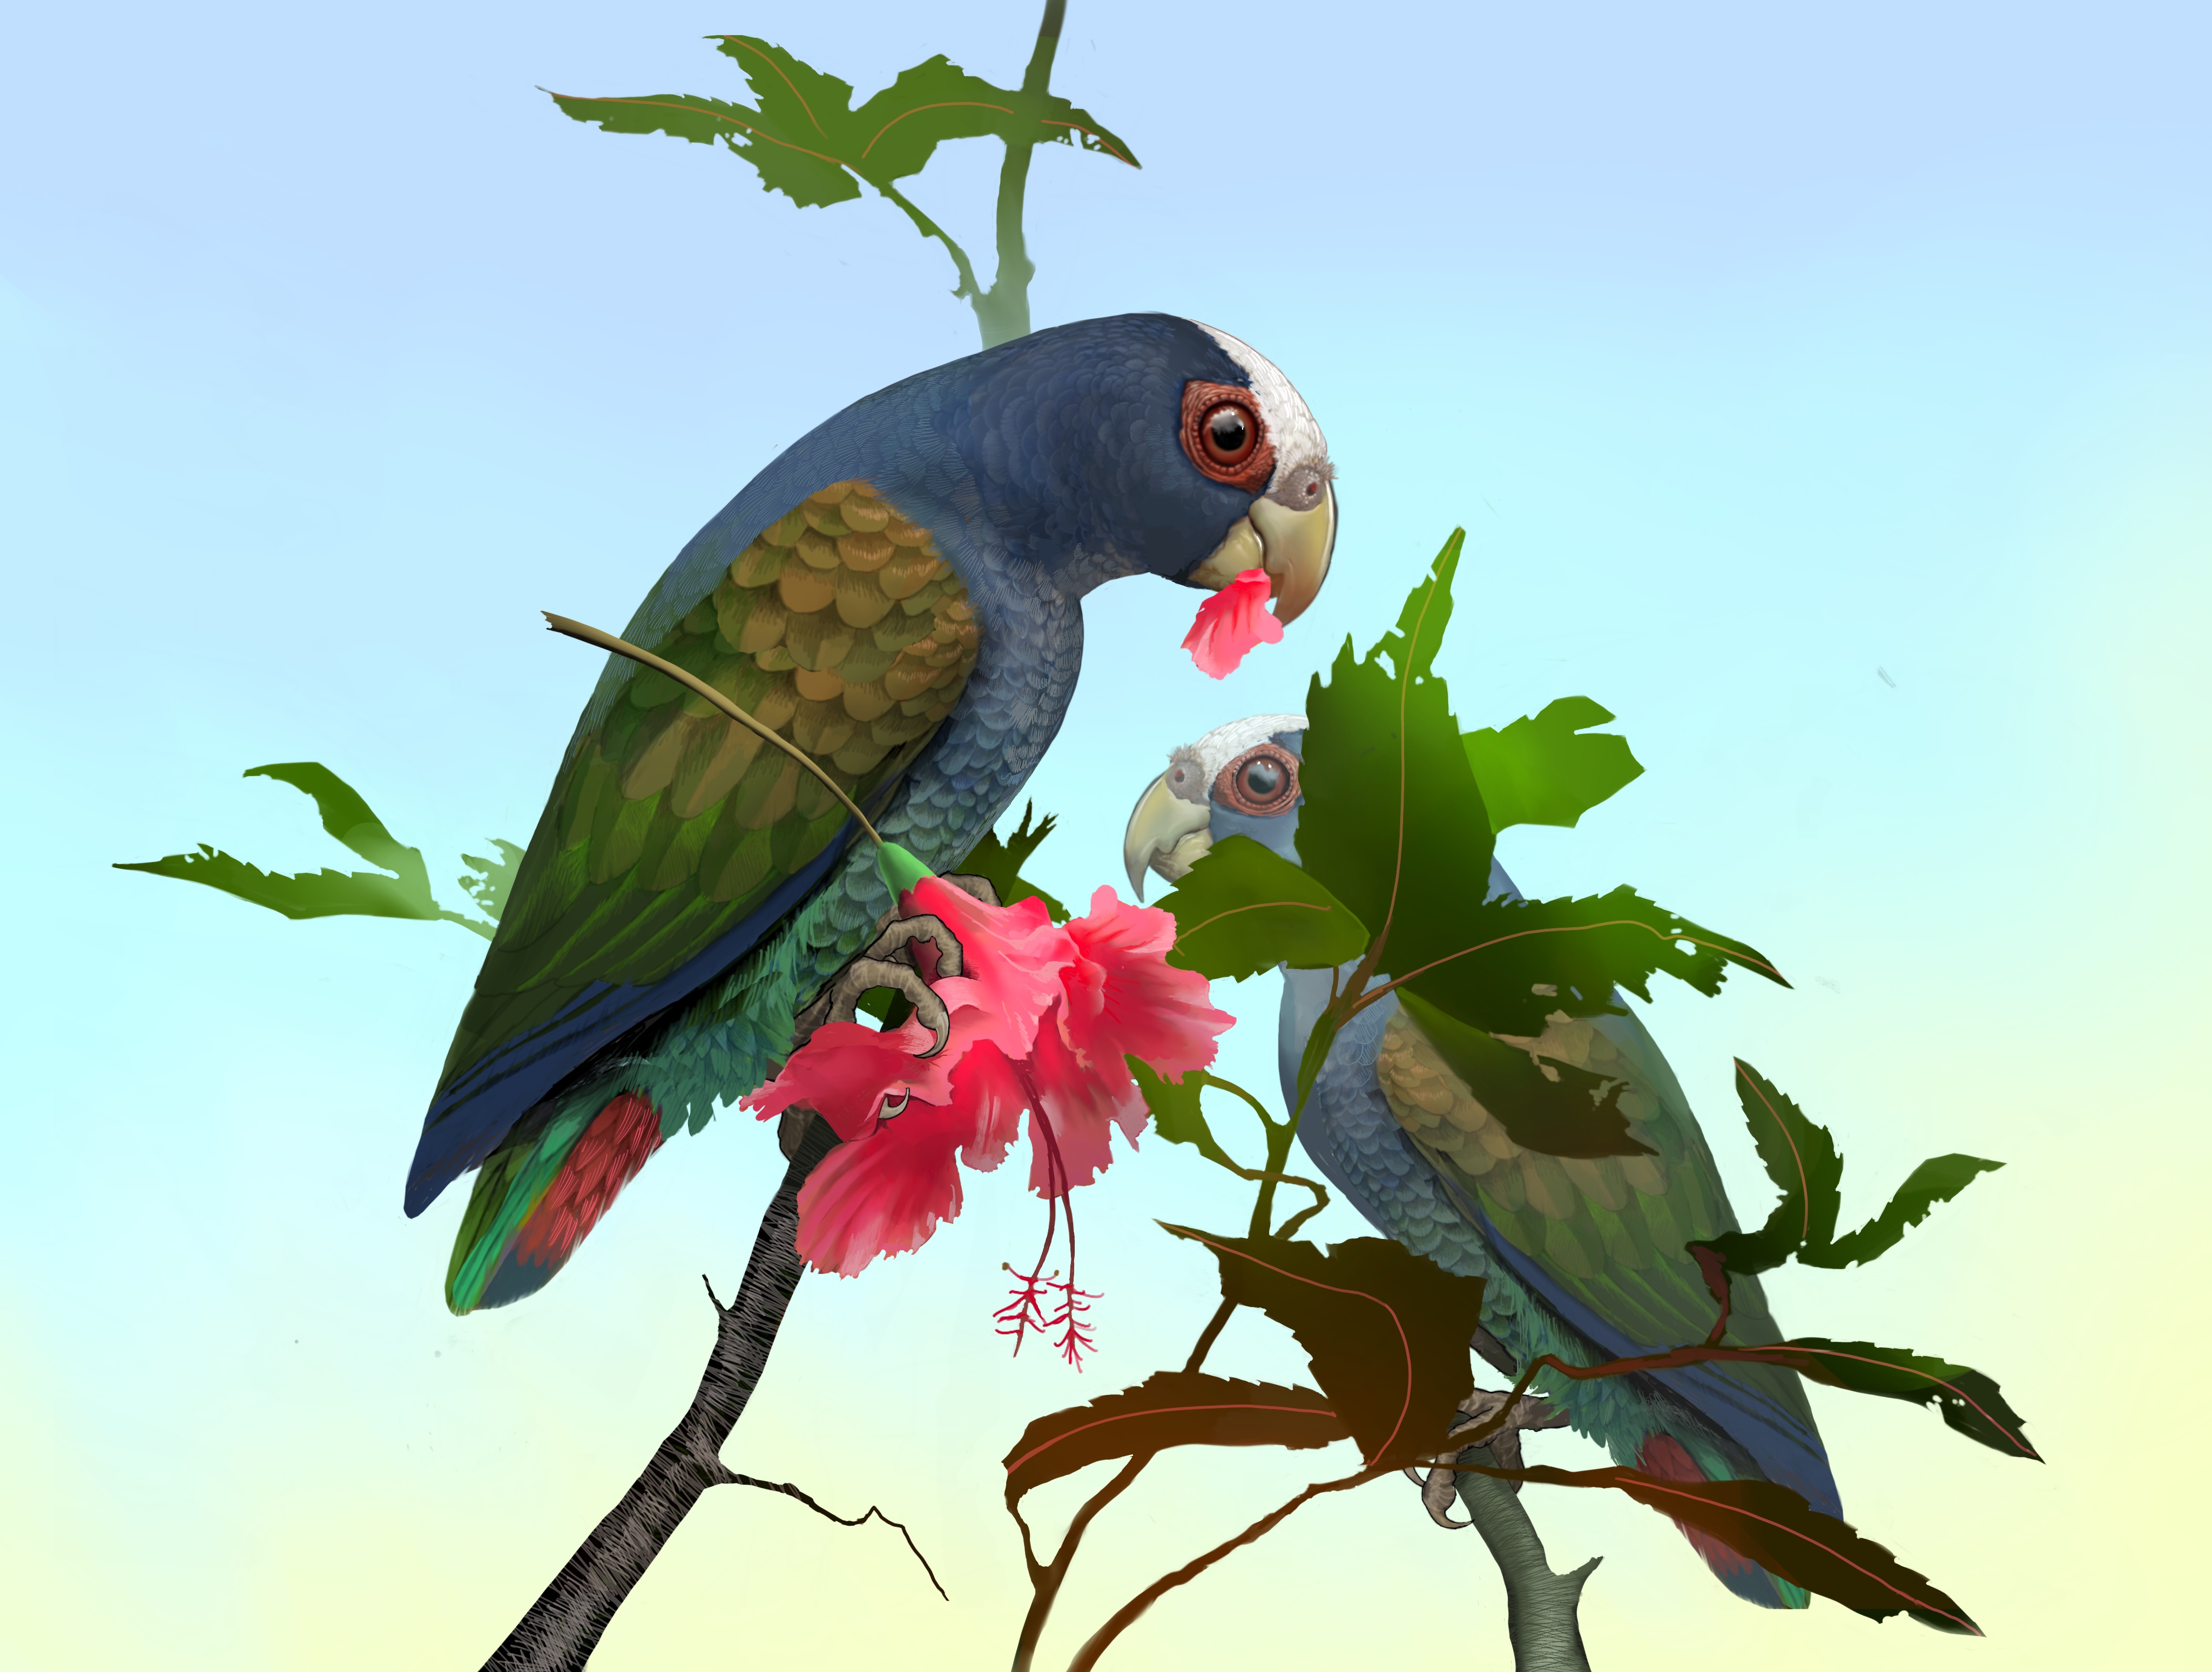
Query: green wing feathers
[1610,1229]
[841,628]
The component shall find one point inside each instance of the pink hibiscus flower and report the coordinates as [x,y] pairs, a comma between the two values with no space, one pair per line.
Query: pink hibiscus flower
[1231,622]
[1042,1019]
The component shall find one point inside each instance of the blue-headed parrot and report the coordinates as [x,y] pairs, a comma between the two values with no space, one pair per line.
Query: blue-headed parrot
[900,593]
[1582,1258]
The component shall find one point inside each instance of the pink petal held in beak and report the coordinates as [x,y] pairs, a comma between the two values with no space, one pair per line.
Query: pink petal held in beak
[1231,622]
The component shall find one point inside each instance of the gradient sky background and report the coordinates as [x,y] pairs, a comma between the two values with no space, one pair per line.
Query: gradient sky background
[1826,393]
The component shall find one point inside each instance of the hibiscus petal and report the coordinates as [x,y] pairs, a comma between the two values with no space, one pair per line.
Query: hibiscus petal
[884,1194]
[1083,1104]
[1123,998]
[1012,955]
[846,1070]
[1231,622]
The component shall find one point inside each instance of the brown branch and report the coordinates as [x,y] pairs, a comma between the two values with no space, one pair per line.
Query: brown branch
[1045,1580]
[1127,1616]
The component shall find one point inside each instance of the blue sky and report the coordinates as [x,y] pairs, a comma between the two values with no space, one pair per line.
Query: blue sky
[1824,392]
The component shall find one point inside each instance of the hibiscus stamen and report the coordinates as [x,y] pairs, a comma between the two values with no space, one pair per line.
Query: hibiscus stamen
[1026,1310]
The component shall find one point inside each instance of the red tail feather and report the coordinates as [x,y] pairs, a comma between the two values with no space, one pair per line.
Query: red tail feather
[1663,1457]
[621,1139]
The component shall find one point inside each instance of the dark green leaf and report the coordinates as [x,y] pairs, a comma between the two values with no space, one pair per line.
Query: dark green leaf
[1315,1056]
[1001,863]
[1567,1111]
[1382,758]
[1932,1180]
[1170,1407]
[1386,1329]
[1782,1533]
[1541,771]
[1801,1159]
[1244,908]
[1177,1116]
[1507,965]
[1969,1401]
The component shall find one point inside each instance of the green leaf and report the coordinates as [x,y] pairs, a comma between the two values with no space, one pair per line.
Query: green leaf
[490,880]
[311,894]
[1244,909]
[1507,965]
[1168,1409]
[1177,1115]
[1932,1180]
[1393,824]
[1969,1401]
[1387,1330]
[1782,1533]
[326,893]
[808,142]
[1315,1056]
[1567,1111]
[1800,1157]
[1001,863]
[1541,771]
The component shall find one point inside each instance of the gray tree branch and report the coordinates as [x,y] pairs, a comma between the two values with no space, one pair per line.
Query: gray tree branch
[564,1625]
[1539,1604]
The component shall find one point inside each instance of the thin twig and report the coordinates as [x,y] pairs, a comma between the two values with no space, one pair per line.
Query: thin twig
[692,682]
[1127,1614]
[731,1478]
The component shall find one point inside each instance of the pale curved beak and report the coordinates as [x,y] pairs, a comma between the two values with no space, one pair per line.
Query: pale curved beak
[1166,834]
[1294,547]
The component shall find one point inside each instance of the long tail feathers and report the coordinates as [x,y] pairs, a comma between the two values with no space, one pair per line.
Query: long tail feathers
[535,1199]
[1665,1456]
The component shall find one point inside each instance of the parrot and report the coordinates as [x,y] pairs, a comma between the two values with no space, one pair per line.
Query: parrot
[900,593]
[1580,1258]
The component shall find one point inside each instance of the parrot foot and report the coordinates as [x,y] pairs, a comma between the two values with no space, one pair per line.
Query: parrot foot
[1440,1484]
[890,961]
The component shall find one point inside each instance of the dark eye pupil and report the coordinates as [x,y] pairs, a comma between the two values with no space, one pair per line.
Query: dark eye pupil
[1227,430]
[1262,778]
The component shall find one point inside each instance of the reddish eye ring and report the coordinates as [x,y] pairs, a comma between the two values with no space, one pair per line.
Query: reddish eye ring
[1260,782]
[1224,435]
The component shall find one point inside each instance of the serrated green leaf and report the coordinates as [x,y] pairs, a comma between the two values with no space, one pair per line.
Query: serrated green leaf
[1933,1181]
[310,894]
[1969,1401]
[1800,1157]
[490,881]
[1541,769]
[806,141]
[1570,1111]
[346,816]
[1386,1330]
[1178,1112]
[1244,909]
[1001,863]
[1383,761]
[1506,965]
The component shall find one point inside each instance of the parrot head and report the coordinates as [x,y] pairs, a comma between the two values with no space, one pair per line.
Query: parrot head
[1241,779]
[1146,444]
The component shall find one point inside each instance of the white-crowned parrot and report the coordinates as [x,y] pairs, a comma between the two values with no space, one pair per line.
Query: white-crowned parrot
[1582,1258]
[901,593]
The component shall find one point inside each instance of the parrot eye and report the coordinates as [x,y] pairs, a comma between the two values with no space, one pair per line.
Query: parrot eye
[1228,436]
[1260,781]
[1224,435]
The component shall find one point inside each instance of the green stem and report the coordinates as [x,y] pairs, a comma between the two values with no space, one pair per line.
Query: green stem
[929,229]
[1003,311]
